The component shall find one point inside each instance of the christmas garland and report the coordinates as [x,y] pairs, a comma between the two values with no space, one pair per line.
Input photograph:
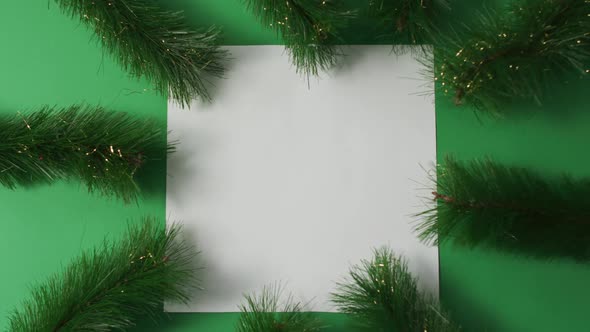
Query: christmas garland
[513,57]
[111,287]
[103,150]
[154,43]
[383,296]
[309,29]
[483,203]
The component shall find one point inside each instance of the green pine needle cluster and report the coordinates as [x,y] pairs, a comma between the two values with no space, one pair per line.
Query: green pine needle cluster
[383,296]
[111,287]
[268,312]
[483,203]
[103,150]
[409,22]
[154,43]
[512,54]
[309,28]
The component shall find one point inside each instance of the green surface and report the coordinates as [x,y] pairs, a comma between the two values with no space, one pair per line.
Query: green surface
[47,58]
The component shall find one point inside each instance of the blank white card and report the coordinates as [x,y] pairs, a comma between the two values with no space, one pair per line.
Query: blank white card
[283,180]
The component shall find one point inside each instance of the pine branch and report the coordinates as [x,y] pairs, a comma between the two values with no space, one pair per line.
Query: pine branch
[153,43]
[110,287]
[482,203]
[506,58]
[383,296]
[409,22]
[101,149]
[266,313]
[309,28]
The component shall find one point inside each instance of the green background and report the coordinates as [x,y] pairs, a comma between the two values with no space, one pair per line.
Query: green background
[48,58]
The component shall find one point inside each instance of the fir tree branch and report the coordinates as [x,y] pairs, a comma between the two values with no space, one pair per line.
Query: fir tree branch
[511,57]
[309,28]
[267,312]
[383,296]
[483,203]
[101,149]
[151,42]
[409,22]
[110,287]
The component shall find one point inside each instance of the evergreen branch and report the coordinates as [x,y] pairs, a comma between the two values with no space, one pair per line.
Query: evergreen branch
[151,42]
[309,28]
[483,203]
[383,296]
[101,149]
[409,22]
[110,287]
[267,313]
[511,57]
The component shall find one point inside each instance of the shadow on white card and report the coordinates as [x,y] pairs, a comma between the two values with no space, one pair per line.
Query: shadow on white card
[278,182]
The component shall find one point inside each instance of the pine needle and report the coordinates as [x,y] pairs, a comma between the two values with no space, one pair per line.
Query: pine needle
[383,296]
[154,43]
[483,203]
[101,149]
[310,30]
[268,312]
[409,22]
[514,54]
[111,287]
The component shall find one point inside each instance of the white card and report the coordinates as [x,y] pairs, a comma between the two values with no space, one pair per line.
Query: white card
[278,181]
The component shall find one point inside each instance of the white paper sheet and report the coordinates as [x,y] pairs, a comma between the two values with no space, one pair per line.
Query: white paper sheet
[278,182]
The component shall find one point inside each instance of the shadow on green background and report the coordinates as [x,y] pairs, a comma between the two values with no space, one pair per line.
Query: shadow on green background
[48,58]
